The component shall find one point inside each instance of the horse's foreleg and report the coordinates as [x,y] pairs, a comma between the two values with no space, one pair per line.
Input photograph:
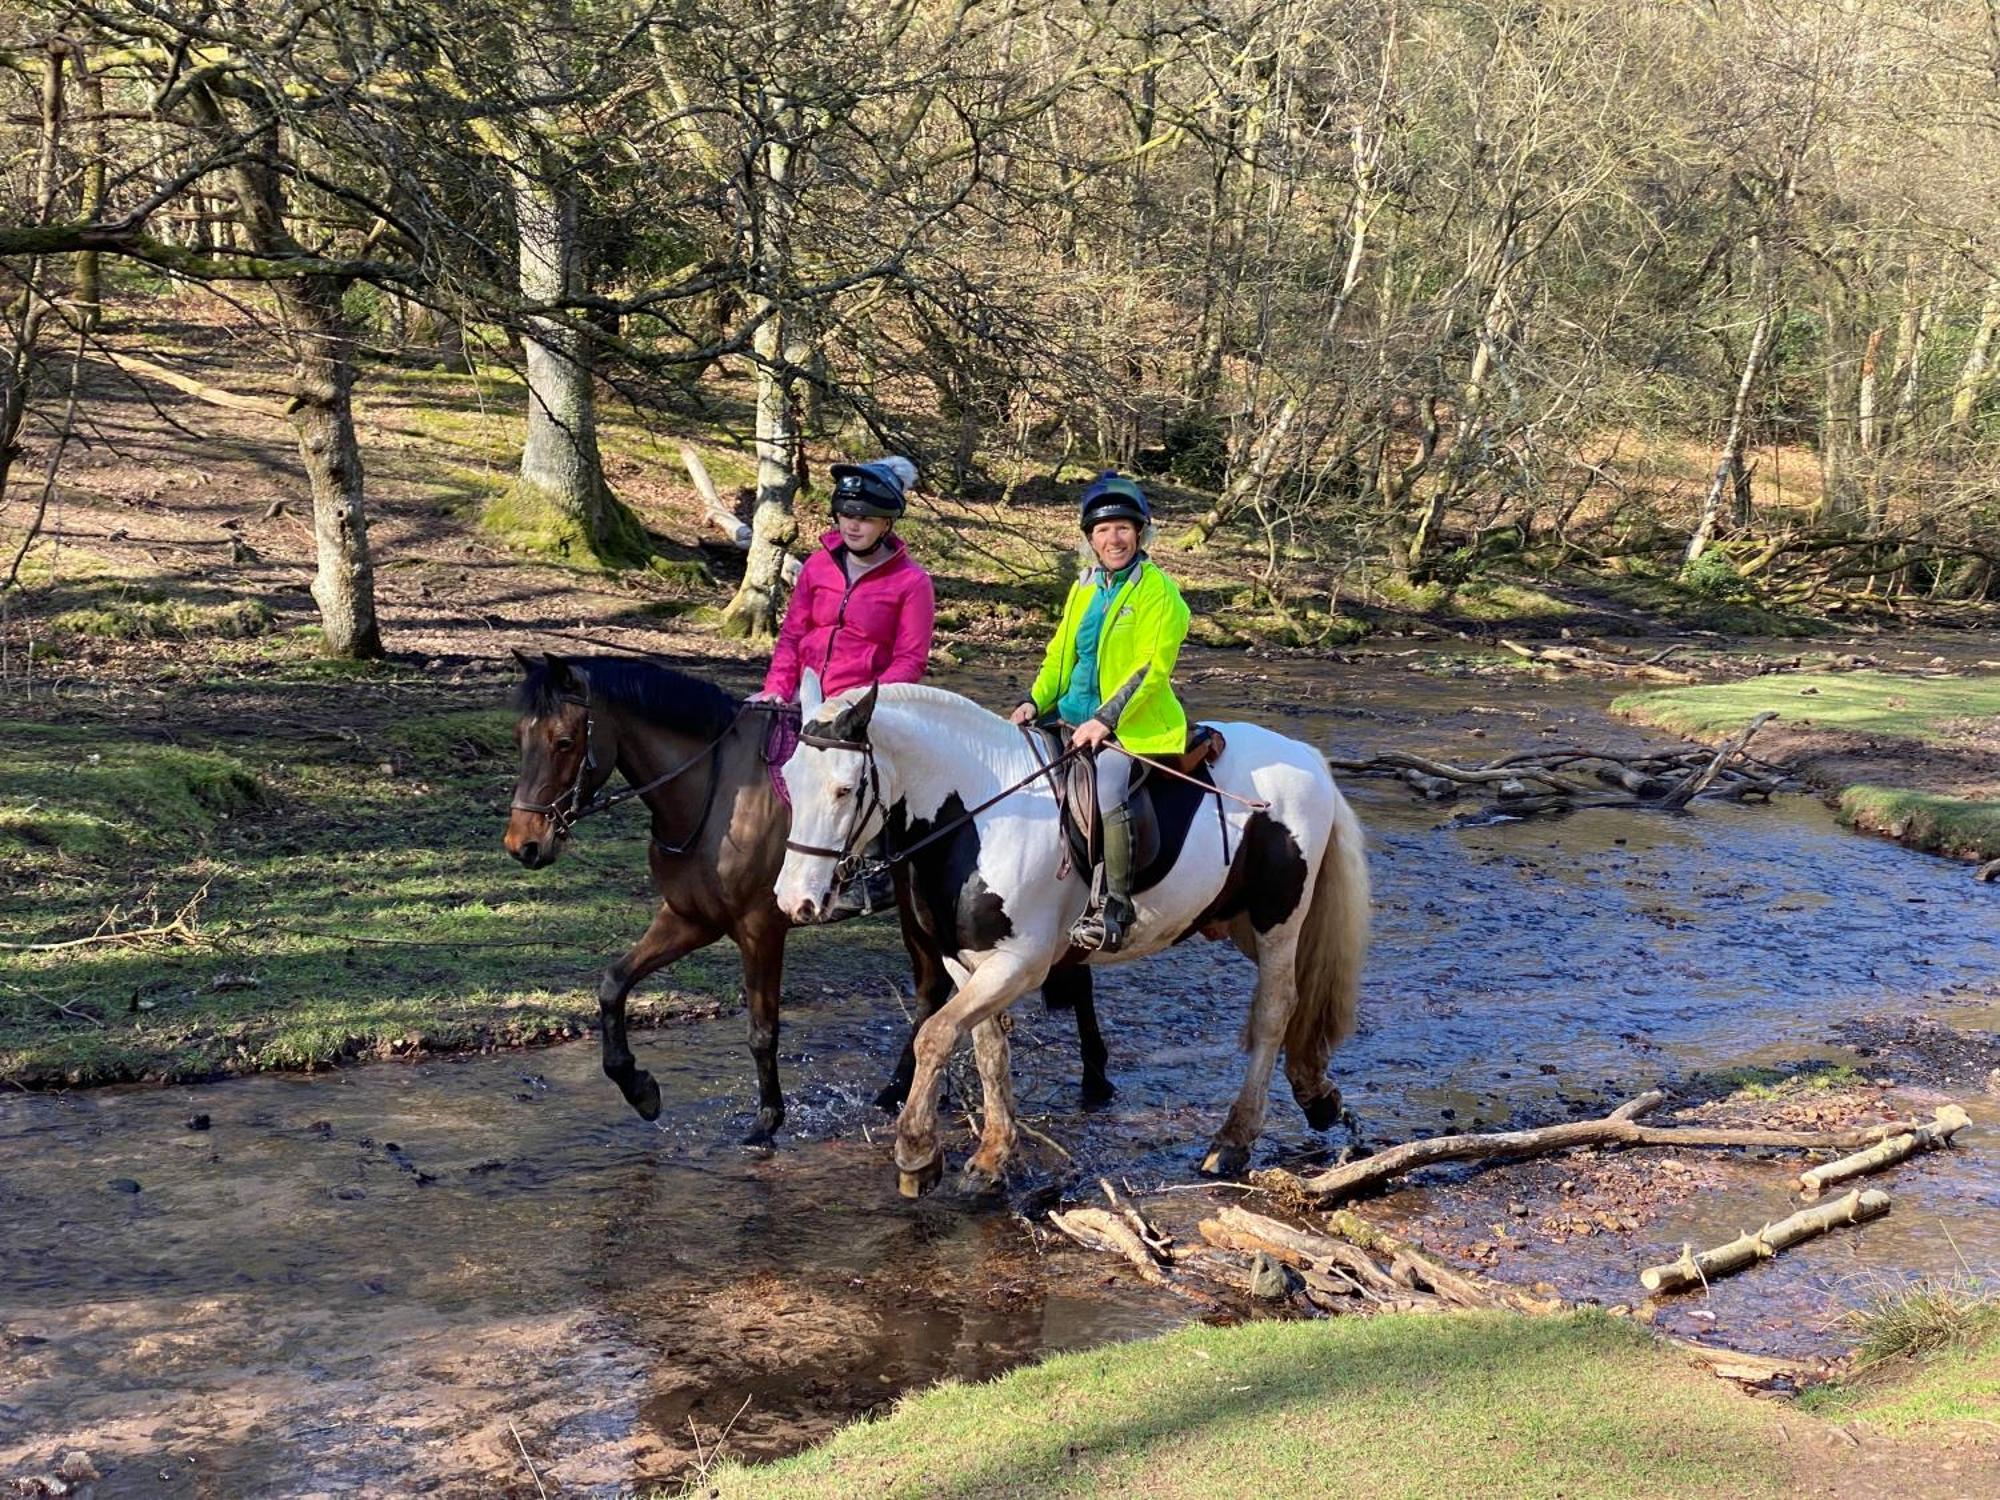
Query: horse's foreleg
[933,987]
[1270,1009]
[988,1165]
[762,945]
[994,986]
[1072,986]
[670,937]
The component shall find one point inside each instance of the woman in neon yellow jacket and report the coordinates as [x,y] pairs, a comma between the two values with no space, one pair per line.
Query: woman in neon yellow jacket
[1109,671]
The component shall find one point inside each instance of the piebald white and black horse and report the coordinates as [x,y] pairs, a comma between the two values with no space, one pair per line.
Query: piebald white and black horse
[993,889]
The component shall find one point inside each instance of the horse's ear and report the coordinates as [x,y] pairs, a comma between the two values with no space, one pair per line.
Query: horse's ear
[852,724]
[527,662]
[811,695]
[561,677]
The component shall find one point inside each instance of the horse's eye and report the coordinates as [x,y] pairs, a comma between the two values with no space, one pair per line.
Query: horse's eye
[564,742]
[842,791]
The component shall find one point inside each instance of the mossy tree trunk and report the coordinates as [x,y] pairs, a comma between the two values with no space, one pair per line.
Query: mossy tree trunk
[562,494]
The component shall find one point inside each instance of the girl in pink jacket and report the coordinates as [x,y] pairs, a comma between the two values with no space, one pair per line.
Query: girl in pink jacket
[861,610]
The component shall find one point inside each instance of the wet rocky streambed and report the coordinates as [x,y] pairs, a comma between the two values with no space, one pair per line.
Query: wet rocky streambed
[395,1279]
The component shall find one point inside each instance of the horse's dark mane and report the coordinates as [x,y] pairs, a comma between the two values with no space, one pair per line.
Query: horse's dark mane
[660,695]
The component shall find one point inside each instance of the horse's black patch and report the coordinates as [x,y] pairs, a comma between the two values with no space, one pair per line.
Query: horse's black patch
[1266,881]
[949,898]
[660,695]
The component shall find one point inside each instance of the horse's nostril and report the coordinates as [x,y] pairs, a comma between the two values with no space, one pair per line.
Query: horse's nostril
[528,852]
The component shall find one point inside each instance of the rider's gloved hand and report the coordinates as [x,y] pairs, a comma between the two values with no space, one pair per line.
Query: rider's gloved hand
[1090,734]
[1024,712]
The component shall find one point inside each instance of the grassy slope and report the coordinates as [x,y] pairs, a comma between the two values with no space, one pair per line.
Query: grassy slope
[387,835]
[1928,712]
[1400,1405]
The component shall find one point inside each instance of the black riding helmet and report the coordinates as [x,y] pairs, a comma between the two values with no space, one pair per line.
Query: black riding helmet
[869,490]
[1113,497]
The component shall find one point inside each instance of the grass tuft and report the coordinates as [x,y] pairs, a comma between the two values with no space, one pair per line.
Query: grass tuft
[156,619]
[1924,1318]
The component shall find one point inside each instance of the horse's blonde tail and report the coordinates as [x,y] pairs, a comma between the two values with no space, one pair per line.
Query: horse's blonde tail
[1332,944]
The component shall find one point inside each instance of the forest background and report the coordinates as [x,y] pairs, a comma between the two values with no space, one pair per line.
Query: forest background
[1700,298]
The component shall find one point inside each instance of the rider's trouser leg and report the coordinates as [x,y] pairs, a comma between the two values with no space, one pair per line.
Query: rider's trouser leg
[1105,926]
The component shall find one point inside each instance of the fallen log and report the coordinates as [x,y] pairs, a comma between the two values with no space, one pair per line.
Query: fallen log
[1619,1128]
[1301,1248]
[1101,1229]
[1949,1120]
[1638,783]
[720,516]
[1327,1266]
[1697,1270]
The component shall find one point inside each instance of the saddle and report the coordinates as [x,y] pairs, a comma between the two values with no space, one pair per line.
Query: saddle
[1161,809]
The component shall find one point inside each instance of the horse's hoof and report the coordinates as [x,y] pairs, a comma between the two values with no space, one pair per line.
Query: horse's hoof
[645,1096]
[763,1132]
[890,1100]
[922,1180]
[1324,1112]
[976,1184]
[1096,1094]
[1225,1160]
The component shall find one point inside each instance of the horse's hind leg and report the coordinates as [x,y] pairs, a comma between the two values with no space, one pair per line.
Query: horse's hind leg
[670,937]
[1070,988]
[762,944]
[1317,1095]
[1270,1009]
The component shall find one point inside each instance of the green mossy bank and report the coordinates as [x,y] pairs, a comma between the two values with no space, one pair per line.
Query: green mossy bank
[1915,758]
[331,850]
[1402,1405]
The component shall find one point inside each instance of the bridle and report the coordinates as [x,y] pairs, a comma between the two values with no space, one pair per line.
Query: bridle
[847,861]
[570,808]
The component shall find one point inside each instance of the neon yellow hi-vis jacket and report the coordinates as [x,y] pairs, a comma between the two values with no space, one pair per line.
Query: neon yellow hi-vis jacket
[1143,628]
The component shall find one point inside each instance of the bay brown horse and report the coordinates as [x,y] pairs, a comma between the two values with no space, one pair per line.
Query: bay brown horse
[697,758]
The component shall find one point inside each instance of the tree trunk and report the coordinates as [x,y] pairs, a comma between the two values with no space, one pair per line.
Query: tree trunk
[753,613]
[89,274]
[1977,371]
[562,493]
[322,347]
[322,395]
[1841,500]
[1731,477]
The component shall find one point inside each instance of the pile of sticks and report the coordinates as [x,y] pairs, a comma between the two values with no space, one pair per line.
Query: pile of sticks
[1340,1262]
[1603,658]
[1539,781]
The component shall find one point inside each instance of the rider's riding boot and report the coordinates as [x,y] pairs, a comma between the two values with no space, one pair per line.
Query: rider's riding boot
[1103,927]
[870,891]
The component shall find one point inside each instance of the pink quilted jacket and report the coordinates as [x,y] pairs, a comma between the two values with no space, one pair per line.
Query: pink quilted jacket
[876,630]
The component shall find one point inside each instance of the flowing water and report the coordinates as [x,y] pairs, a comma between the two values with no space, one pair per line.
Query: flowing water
[420,1278]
